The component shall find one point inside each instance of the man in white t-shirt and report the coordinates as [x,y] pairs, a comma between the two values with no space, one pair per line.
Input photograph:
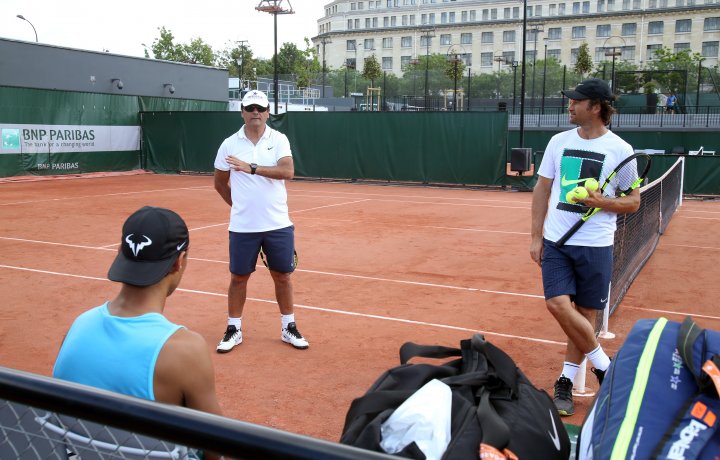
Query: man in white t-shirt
[576,276]
[251,167]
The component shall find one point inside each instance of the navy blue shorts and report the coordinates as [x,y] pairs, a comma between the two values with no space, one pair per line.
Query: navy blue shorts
[582,272]
[278,246]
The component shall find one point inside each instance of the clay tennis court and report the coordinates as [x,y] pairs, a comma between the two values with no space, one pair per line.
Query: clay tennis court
[379,265]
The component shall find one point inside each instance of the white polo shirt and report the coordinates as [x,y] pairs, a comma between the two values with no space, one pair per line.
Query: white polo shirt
[259,203]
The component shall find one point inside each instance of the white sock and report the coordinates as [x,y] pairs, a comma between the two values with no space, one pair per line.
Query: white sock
[569,370]
[287,319]
[599,359]
[237,322]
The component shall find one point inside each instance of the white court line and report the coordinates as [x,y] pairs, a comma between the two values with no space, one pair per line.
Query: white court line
[102,195]
[690,246]
[329,206]
[389,280]
[698,218]
[434,202]
[325,310]
[668,312]
[407,196]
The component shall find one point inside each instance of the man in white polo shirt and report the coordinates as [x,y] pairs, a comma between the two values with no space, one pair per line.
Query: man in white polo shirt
[251,167]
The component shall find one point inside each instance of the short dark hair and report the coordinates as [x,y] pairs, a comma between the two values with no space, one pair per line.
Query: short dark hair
[606,110]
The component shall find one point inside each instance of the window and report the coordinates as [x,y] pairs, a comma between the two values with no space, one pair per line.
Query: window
[578,32]
[349,26]
[432,18]
[353,6]
[586,7]
[404,19]
[387,63]
[602,30]
[652,4]
[651,49]
[493,14]
[655,27]
[508,36]
[679,2]
[360,5]
[553,9]
[711,24]
[464,16]
[350,45]
[625,4]
[710,49]
[683,25]
[554,54]
[465,39]
[486,59]
[600,54]
[486,37]
[452,17]
[530,55]
[628,53]
[601,6]
[443,18]
[636,4]
[628,28]
[472,15]
[423,18]
[516,12]
[508,56]
[375,23]
[576,7]
[425,41]
[387,42]
[681,46]
[573,56]
[386,21]
[506,13]
[485,15]
[467,59]
[532,34]
[406,42]
[538,10]
[561,9]
[357,23]
[393,21]
[554,33]
[404,62]
[412,20]
[369,44]
[445,39]
[367,23]
[350,63]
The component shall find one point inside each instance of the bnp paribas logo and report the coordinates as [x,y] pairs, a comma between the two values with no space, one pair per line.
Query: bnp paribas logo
[10,138]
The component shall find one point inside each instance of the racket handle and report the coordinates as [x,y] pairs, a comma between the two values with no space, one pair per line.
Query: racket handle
[561,242]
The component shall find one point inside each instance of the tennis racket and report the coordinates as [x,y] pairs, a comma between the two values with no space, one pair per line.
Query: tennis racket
[626,177]
[262,257]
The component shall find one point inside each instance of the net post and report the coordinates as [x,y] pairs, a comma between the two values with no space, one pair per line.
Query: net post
[579,388]
[604,332]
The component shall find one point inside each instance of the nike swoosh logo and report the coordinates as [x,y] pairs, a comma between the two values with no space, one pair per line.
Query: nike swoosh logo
[603,300]
[270,148]
[566,182]
[555,438]
[180,246]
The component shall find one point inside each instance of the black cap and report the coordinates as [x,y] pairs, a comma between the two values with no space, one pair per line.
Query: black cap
[152,239]
[592,88]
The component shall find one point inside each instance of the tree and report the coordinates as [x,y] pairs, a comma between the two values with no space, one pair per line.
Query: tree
[584,63]
[685,62]
[371,69]
[195,52]
[198,52]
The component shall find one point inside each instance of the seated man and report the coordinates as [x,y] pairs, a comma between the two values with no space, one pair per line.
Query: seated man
[126,345]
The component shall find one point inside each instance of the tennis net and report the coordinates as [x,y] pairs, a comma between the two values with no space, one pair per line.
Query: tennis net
[638,233]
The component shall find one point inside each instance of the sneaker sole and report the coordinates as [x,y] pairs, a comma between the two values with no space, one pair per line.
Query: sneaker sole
[299,347]
[219,350]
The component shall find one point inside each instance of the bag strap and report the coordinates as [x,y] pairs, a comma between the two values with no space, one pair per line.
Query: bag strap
[505,368]
[411,350]
[495,431]
[689,333]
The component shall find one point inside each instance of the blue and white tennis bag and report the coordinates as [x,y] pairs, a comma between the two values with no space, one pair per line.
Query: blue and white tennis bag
[659,398]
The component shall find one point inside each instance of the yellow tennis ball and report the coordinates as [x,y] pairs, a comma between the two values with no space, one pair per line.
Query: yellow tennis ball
[592,184]
[576,194]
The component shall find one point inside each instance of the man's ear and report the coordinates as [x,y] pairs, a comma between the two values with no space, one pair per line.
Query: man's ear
[179,262]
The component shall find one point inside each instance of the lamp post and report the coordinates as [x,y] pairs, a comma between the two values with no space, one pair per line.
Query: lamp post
[699,80]
[31,25]
[522,77]
[240,61]
[542,107]
[324,41]
[536,30]
[498,59]
[468,96]
[428,34]
[274,7]
[514,65]
[452,56]
[614,51]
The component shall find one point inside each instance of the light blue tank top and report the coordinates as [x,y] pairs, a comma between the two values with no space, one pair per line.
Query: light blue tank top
[114,353]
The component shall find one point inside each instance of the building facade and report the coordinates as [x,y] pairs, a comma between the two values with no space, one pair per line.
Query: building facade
[487,34]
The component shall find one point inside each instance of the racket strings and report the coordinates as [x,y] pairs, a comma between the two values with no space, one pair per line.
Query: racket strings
[626,178]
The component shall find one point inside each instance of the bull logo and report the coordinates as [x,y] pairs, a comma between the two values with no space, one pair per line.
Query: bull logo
[137,247]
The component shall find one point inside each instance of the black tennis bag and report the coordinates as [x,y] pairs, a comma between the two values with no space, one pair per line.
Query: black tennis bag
[494,406]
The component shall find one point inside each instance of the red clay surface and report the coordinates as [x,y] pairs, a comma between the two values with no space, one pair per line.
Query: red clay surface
[379,266]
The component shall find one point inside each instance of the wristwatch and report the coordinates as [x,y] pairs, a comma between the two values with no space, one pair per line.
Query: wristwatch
[253,168]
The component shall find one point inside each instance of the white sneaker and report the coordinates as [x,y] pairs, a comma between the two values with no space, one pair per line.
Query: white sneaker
[292,336]
[232,337]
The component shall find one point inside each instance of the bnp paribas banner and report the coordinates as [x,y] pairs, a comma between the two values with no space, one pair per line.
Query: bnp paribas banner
[30,139]
[63,149]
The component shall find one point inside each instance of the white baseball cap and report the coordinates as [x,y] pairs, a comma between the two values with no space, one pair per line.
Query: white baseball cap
[256,97]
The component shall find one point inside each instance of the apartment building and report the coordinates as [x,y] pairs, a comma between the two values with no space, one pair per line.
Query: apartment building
[487,34]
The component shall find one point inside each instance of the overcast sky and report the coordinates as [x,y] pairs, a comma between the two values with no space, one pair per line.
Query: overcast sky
[122,26]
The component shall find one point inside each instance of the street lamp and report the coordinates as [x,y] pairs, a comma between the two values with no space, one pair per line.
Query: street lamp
[499,60]
[542,107]
[455,61]
[240,61]
[275,7]
[514,65]
[468,96]
[324,41]
[522,77]
[428,34]
[614,51]
[31,25]
[536,30]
